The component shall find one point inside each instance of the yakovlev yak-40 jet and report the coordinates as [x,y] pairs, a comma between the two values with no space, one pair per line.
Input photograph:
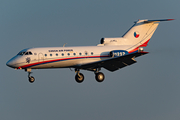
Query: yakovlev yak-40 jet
[111,54]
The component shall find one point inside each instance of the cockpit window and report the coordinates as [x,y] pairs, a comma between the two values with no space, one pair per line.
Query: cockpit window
[28,53]
[25,53]
[21,53]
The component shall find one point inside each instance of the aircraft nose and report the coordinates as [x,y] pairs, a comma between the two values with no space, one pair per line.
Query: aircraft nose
[9,63]
[12,63]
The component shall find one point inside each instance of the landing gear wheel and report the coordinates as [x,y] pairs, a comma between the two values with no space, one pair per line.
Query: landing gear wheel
[31,79]
[79,77]
[99,76]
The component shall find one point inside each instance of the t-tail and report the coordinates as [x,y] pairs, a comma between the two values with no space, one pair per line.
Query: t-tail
[137,36]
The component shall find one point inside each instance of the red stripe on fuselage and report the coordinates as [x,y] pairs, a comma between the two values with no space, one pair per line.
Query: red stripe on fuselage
[57,60]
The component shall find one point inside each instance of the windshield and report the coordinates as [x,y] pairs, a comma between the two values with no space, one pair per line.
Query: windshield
[21,53]
[25,53]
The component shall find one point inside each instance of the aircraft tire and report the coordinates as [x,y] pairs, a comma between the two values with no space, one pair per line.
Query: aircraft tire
[79,78]
[99,77]
[31,79]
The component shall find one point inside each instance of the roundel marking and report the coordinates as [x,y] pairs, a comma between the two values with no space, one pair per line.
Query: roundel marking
[136,34]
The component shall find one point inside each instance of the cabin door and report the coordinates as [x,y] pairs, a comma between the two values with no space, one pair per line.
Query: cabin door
[40,57]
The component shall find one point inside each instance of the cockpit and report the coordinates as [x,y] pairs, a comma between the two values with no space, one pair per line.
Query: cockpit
[25,53]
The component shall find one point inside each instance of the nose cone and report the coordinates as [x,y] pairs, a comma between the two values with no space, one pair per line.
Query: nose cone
[10,63]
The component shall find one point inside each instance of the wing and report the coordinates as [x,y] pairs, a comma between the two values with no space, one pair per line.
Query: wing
[113,64]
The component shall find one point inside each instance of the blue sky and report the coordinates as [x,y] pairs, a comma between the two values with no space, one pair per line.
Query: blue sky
[147,90]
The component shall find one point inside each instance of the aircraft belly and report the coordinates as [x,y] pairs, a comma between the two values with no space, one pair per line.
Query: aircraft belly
[59,64]
[89,60]
[64,64]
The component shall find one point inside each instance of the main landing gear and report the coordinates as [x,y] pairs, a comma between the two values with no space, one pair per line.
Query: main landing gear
[99,76]
[31,78]
[79,77]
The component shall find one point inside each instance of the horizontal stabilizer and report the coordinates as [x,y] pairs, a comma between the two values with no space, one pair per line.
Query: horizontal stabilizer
[149,21]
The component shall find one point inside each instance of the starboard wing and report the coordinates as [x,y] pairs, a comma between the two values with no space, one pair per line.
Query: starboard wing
[113,64]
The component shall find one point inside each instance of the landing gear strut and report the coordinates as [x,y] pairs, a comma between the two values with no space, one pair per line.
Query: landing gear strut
[31,78]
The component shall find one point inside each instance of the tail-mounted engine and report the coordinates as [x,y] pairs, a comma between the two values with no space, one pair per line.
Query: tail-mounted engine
[118,53]
[112,41]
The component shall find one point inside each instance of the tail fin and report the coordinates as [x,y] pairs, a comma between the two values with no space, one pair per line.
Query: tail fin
[137,36]
[141,32]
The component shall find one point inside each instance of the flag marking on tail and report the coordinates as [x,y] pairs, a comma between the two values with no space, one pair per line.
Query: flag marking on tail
[136,34]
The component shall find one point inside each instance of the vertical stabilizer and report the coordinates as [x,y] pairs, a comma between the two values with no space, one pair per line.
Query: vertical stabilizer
[141,32]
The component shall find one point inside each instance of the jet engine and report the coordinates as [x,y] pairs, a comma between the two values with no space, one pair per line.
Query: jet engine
[112,41]
[118,53]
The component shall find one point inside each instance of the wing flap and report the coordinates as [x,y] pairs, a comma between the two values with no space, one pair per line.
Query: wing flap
[113,66]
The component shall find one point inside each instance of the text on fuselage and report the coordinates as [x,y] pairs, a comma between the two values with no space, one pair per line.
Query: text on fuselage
[65,50]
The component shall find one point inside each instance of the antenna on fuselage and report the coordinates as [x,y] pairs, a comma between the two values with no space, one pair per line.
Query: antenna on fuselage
[64,44]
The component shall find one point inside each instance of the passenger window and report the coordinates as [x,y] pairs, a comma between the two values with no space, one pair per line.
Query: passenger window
[86,53]
[50,54]
[80,53]
[56,54]
[91,53]
[68,54]
[74,54]
[45,55]
[62,54]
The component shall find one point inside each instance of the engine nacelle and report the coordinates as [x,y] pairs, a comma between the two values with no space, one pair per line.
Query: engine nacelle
[118,53]
[112,41]
[108,40]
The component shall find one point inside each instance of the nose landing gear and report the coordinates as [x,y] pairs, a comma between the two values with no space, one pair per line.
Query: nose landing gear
[30,78]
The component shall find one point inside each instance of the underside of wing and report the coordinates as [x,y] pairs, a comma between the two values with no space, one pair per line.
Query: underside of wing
[117,64]
[113,64]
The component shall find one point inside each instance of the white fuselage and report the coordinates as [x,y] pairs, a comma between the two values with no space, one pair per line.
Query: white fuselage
[62,57]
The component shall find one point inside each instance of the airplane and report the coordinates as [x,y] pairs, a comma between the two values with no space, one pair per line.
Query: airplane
[111,54]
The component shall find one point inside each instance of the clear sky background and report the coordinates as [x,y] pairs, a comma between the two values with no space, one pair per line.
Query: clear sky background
[147,90]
